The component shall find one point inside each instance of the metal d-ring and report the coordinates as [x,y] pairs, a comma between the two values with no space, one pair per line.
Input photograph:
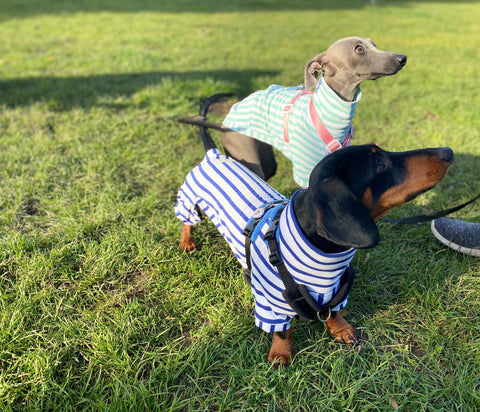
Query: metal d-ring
[328,317]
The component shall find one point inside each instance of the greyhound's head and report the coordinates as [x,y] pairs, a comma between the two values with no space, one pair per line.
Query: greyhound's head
[350,61]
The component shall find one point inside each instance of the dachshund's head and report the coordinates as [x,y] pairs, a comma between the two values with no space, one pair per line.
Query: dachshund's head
[352,188]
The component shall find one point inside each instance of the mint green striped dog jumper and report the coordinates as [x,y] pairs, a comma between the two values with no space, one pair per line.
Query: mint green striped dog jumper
[261,116]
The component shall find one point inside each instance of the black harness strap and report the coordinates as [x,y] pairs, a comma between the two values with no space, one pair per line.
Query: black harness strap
[296,295]
[247,273]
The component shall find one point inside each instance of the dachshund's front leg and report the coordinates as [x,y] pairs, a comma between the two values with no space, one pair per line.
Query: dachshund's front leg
[187,243]
[340,329]
[282,348]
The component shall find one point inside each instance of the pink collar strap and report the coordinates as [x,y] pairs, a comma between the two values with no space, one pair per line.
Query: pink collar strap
[330,142]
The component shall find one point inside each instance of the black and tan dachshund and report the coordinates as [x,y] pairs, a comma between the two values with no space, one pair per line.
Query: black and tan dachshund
[349,191]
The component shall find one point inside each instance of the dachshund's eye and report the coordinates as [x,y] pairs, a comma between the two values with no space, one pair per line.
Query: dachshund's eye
[359,50]
[380,166]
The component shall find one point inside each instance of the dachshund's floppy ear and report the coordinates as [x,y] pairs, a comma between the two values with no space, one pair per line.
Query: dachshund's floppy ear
[313,69]
[341,218]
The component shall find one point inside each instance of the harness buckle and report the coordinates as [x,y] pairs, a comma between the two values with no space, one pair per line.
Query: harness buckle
[287,108]
[275,258]
[248,230]
[333,146]
[259,212]
[270,233]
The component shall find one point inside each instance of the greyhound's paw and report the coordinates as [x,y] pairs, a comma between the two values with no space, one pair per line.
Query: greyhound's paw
[341,330]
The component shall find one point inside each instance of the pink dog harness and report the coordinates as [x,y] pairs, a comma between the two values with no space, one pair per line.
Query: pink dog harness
[330,142]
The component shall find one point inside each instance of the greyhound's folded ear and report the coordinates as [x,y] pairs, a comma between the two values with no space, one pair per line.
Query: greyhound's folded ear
[341,218]
[313,69]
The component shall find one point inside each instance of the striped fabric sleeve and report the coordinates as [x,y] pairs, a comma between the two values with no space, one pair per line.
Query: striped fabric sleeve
[185,209]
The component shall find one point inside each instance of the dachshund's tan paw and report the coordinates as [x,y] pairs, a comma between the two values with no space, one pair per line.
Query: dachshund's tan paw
[188,247]
[282,349]
[187,243]
[341,330]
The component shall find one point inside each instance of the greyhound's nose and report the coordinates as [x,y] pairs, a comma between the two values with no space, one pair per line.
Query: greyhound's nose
[445,154]
[402,59]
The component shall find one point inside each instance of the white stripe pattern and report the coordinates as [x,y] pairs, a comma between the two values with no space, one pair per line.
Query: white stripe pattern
[260,115]
[229,194]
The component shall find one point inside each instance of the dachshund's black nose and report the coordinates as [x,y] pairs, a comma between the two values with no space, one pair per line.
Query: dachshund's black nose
[445,154]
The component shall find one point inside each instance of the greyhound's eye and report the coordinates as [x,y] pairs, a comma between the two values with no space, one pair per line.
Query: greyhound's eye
[359,50]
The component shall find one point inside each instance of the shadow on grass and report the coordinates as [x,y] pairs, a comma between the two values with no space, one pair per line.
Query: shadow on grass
[27,8]
[64,93]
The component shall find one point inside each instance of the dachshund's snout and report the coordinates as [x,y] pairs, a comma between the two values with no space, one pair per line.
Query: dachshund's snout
[445,154]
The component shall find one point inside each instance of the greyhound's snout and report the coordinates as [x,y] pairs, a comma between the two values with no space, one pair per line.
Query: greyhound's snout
[401,59]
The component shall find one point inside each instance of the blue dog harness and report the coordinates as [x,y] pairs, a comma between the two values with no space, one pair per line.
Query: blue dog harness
[296,295]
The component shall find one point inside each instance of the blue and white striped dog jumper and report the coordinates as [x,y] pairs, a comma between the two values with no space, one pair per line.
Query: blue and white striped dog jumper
[229,194]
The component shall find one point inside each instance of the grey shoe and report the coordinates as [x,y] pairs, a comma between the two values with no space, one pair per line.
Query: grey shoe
[462,236]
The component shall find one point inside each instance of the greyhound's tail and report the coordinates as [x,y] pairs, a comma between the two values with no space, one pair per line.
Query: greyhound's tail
[201,120]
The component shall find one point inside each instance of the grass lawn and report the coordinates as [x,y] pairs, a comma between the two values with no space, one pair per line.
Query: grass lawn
[98,308]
